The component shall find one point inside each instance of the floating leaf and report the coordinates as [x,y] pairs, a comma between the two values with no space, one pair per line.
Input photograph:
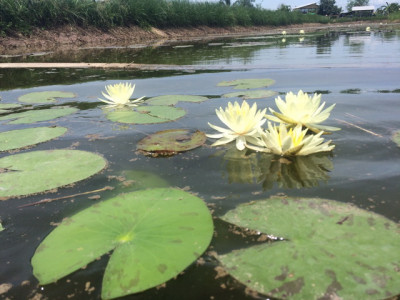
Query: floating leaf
[39,171]
[44,97]
[1,226]
[174,99]
[155,234]
[332,250]
[140,180]
[396,138]
[147,115]
[33,116]
[5,107]
[254,94]
[170,142]
[248,83]
[21,138]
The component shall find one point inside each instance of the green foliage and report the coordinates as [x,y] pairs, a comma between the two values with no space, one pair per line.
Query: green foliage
[153,234]
[22,15]
[352,3]
[328,7]
[331,250]
[388,9]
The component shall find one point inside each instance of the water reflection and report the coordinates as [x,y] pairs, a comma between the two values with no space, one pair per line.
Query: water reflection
[269,170]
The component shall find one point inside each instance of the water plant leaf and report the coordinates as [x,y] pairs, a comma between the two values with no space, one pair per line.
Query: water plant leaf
[155,234]
[5,107]
[331,250]
[14,139]
[248,83]
[147,115]
[1,226]
[170,142]
[33,116]
[174,99]
[139,180]
[44,97]
[39,171]
[396,137]
[253,94]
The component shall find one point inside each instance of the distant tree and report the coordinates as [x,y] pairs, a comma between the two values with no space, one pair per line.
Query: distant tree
[328,8]
[284,7]
[246,3]
[352,3]
[227,2]
[388,8]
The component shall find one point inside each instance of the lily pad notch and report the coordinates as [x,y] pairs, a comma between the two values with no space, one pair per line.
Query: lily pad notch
[154,235]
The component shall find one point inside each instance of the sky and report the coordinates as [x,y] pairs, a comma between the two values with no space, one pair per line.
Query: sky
[273,4]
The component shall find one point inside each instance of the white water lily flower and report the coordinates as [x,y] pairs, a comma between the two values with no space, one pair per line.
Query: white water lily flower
[280,141]
[303,110]
[244,124]
[301,31]
[119,95]
[284,32]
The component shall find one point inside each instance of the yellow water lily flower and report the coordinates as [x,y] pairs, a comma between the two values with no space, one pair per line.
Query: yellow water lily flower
[244,124]
[284,32]
[301,31]
[280,141]
[119,95]
[303,110]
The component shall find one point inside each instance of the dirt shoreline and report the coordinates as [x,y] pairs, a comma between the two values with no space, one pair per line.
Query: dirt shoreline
[70,37]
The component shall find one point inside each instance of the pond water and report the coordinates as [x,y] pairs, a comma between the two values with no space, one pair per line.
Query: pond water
[357,70]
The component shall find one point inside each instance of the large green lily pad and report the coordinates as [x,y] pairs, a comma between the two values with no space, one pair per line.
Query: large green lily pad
[248,83]
[40,171]
[33,116]
[14,139]
[396,138]
[253,94]
[154,234]
[174,99]
[44,97]
[146,115]
[331,250]
[170,142]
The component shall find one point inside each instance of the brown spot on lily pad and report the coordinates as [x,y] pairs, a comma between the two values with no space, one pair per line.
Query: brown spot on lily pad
[162,268]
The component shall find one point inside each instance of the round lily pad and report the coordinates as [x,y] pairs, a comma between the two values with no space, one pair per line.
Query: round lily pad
[40,171]
[331,250]
[14,139]
[146,115]
[396,138]
[248,83]
[33,116]
[170,142]
[44,97]
[254,94]
[174,99]
[154,234]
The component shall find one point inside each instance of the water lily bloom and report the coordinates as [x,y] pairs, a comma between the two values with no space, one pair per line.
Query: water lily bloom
[280,141]
[284,32]
[244,124]
[303,110]
[119,95]
[368,29]
[301,31]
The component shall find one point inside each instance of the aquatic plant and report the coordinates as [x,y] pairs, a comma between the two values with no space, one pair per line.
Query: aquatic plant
[283,142]
[301,109]
[119,94]
[244,124]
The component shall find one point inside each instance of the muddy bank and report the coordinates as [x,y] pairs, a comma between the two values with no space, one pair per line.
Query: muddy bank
[69,37]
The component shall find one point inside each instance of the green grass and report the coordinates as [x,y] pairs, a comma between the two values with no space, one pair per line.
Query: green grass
[23,15]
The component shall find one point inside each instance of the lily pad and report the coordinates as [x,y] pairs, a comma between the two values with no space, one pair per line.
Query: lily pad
[147,115]
[174,99]
[33,116]
[44,97]
[1,226]
[170,142]
[154,234]
[248,83]
[5,107]
[14,139]
[40,171]
[396,138]
[331,250]
[254,94]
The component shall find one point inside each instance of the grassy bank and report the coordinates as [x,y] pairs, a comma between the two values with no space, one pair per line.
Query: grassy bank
[22,15]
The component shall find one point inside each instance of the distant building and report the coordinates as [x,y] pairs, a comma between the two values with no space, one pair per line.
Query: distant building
[363,11]
[311,8]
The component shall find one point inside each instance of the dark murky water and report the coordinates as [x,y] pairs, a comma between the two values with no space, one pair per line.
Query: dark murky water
[358,71]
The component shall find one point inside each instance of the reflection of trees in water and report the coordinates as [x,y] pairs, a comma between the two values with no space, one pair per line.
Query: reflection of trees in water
[268,170]
[324,43]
